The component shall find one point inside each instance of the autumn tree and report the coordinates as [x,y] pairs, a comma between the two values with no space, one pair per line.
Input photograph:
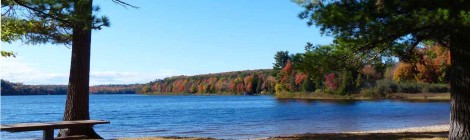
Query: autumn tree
[433,64]
[248,83]
[285,78]
[330,81]
[398,27]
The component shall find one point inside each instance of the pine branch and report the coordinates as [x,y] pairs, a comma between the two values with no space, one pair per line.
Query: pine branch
[19,2]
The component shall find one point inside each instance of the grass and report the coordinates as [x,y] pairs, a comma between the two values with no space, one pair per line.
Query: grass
[397,96]
[325,96]
[421,96]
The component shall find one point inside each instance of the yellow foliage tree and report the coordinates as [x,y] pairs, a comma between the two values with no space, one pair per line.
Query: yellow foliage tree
[403,72]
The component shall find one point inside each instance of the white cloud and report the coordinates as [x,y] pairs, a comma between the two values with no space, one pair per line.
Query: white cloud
[15,70]
[114,77]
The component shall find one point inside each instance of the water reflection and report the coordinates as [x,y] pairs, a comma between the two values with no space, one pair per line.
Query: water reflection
[313,101]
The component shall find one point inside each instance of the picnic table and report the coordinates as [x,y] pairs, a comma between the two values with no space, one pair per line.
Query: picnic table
[48,127]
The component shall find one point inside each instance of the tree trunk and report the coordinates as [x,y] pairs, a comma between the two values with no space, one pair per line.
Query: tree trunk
[77,104]
[460,86]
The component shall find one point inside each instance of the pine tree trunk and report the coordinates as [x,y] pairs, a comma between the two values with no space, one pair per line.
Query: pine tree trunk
[77,103]
[460,86]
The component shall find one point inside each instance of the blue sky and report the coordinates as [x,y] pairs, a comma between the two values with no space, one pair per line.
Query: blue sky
[165,38]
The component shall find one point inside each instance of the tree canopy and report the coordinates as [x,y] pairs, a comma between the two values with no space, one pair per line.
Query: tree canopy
[398,27]
[390,25]
[59,22]
[43,21]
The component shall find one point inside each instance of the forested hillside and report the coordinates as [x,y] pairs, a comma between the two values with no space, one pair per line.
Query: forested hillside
[238,82]
[10,88]
[330,69]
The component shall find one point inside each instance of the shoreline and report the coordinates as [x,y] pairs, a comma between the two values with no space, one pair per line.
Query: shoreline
[430,128]
[436,132]
[425,97]
[412,97]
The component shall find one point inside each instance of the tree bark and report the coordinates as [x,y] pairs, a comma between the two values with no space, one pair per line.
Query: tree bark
[77,103]
[460,85]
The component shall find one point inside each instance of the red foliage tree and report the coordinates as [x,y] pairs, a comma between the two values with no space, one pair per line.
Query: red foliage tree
[299,78]
[330,81]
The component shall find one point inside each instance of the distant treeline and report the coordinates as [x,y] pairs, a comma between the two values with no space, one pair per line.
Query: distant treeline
[10,88]
[331,69]
[239,82]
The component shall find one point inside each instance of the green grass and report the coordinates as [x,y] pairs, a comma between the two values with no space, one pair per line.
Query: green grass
[397,96]
[421,96]
[304,95]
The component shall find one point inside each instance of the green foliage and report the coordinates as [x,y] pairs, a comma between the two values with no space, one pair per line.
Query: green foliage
[372,24]
[386,86]
[389,86]
[280,60]
[347,83]
[308,85]
[436,88]
[258,86]
[358,81]
[281,87]
[8,54]
[370,92]
[45,21]
[410,87]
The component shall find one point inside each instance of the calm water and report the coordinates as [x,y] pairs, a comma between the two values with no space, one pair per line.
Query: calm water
[237,117]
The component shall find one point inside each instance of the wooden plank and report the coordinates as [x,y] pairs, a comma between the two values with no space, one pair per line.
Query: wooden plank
[48,134]
[74,137]
[51,125]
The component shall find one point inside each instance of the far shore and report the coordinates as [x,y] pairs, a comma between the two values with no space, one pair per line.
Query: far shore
[418,97]
[434,132]
[393,96]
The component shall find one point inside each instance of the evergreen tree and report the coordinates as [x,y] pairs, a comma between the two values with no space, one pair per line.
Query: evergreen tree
[398,27]
[59,22]
[280,60]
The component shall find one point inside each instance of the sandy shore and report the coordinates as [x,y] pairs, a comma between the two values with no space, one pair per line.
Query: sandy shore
[435,132]
[433,128]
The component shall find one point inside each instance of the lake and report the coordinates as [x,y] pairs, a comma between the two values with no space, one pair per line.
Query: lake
[236,117]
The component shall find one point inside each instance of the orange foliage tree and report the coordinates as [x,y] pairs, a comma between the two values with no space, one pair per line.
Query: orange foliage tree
[403,72]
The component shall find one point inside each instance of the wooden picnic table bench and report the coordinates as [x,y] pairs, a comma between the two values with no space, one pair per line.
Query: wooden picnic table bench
[48,127]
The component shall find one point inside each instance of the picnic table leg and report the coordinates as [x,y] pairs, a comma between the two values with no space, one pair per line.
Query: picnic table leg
[48,134]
